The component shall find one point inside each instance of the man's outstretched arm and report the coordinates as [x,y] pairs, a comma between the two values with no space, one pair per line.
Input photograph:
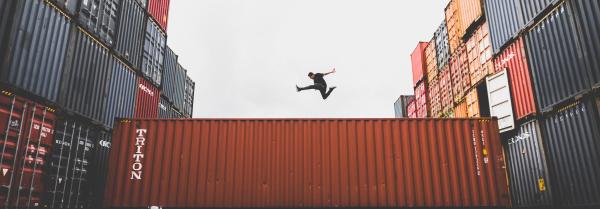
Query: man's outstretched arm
[330,72]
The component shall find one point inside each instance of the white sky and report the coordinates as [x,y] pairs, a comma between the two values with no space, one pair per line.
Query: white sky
[246,55]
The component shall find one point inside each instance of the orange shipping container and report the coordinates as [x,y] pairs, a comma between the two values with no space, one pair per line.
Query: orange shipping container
[459,68]
[460,111]
[268,163]
[479,53]
[453,21]
[472,104]
[435,102]
[470,12]
[431,61]
[445,92]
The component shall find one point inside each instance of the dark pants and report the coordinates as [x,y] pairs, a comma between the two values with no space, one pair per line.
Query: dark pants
[322,88]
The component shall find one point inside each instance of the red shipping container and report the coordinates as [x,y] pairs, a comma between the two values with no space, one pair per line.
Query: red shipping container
[479,50]
[421,100]
[418,62]
[459,68]
[302,163]
[26,134]
[514,60]
[147,99]
[435,100]
[412,109]
[159,10]
[445,91]
[431,61]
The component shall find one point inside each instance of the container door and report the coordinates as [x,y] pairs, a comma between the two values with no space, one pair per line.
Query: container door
[500,101]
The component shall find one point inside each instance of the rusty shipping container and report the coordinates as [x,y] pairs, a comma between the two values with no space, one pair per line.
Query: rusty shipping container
[514,60]
[418,62]
[435,103]
[459,68]
[147,99]
[571,136]
[159,10]
[460,110]
[421,100]
[445,91]
[453,21]
[431,61]
[26,133]
[412,109]
[479,52]
[470,12]
[259,163]
[472,100]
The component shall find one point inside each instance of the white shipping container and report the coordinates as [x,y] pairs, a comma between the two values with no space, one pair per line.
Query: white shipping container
[500,100]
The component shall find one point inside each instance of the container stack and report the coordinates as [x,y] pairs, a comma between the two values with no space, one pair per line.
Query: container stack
[402,106]
[533,65]
[69,68]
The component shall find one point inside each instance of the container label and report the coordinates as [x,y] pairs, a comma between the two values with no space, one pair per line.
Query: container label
[541,184]
[136,167]
[144,88]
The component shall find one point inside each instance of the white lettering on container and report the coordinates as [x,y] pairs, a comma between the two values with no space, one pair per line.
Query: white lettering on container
[136,167]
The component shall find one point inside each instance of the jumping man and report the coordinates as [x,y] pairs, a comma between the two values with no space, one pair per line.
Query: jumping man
[320,84]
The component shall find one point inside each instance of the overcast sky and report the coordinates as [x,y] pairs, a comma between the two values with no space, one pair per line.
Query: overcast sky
[246,56]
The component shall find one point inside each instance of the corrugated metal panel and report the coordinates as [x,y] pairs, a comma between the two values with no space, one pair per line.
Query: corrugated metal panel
[431,61]
[154,53]
[442,49]
[459,67]
[513,59]
[472,100]
[69,6]
[435,103]
[130,37]
[121,90]
[445,92]
[73,171]
[534,8]
[455,30]
[460,111]
[100,17]
[171,81]
[505,19]
[188,107]
[99,168]
[422,101]
[479,52]
[500,101]
[264,163]
[417,58]
[401,105]
[159,10]
[38,42]
[147,98]
[7,12]
[529,179]
[86,75]
[26,132]
[470,12]
[412,109]
[571,136]
[555,59]
[587,14]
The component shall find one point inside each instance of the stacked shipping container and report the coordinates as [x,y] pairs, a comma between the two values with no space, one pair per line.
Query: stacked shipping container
[534,65]
[88,60]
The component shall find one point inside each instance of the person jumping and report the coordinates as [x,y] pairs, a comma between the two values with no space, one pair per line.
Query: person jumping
[320,84]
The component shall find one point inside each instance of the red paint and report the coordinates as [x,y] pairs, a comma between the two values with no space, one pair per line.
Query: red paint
[418,62]
[147,99]
[435,100]
[459,67]
[445,91]
[421,100]
[412,109]
[26,134]
[159,10]
[513,58]
[308,163]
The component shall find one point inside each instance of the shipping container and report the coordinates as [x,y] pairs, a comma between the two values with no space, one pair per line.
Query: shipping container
[121,90]
[527,167]
[500,100]
[159,10]
[534,9]
[435,100]
[188,107]
[421,100]
[166,110]
[269,163]
[418,62]
[412,109]
[173,85]
[7,12]
[571,136]
[154,53]
[86,76]
[445,91]
[99,168]
[459,69]
[555,59]
[147,98]
[587,14]
[505,19]
[514,60]
[453,21]
[69,6]
[401,105]
[479,52]
[431,61]
[100,18]
[72,171]
[472,100]
[442,49]
[460,110]
[26,133]
[471,12]
[130,37]
[34,59]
